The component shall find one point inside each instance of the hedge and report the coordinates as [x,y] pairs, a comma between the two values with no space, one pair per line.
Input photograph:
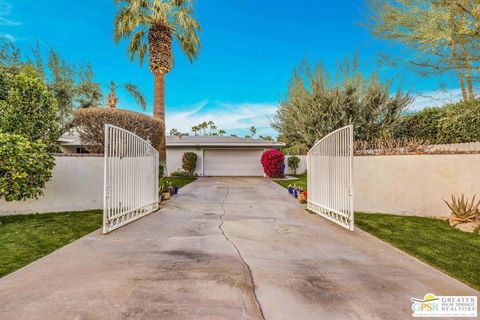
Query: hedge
[25,167]
[90,124]
[453,123]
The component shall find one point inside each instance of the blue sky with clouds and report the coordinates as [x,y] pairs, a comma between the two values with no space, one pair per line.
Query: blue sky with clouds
[249,50]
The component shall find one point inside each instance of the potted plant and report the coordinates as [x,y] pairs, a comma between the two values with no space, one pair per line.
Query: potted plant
[166,190]
[290,189]
[175,190]
[302,197]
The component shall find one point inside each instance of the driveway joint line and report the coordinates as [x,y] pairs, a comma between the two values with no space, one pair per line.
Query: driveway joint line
[249,270]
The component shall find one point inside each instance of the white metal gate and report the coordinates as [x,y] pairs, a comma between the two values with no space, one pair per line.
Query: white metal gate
[130,178]
[330,183]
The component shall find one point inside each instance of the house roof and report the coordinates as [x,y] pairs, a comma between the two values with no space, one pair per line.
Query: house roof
[72,138]
[219,141]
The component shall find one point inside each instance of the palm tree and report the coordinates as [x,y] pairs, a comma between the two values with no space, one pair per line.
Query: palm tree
[253,131]
[204,126]
[212,126]
[195,130]
[173,132]
[151,26]
[221,132]
[130,88]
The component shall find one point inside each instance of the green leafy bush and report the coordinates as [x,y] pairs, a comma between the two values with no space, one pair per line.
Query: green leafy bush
[90,124]
[189,162]
[25,167]
[452,123]
[460,125]
[293,162]
[422,125]
[29,108]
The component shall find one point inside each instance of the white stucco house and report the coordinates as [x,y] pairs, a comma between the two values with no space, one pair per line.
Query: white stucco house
[217,155]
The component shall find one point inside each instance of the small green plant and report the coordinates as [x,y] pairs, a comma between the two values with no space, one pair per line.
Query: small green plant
[189,162]
[463,210]
[293,162]
[166,186]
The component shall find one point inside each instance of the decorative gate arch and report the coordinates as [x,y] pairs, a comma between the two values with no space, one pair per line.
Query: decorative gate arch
[131,178]
[330,173]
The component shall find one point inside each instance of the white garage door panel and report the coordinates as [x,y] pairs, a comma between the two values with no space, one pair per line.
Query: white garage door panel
[225,162]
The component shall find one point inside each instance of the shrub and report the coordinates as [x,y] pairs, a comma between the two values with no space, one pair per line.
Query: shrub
[422,125]
[90,124]
[293,162]
[273,162]
[452,123]
[189,162]
[25,167]
[460,125]
[29,108]
[180,173]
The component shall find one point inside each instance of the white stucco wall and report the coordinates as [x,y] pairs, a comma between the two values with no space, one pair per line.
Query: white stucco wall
[302,165]
[414,184]
[174,159]
[76,185]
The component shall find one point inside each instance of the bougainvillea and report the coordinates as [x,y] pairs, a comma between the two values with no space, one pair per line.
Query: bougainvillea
[273,163]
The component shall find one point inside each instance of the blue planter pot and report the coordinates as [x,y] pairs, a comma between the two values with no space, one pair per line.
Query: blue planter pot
[295,194]
[175,190]
[290,190]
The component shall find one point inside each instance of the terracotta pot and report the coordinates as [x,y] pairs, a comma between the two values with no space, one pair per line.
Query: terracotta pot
[166,195]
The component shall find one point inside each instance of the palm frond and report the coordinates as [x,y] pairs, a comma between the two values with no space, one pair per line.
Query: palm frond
[137,95]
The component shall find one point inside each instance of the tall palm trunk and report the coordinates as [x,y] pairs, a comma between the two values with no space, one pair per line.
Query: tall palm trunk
[159,112]
[161,61]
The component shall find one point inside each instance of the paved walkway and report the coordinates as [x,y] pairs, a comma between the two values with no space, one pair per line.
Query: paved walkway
[231,248]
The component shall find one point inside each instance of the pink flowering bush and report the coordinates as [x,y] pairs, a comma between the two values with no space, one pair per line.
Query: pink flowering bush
[273,162]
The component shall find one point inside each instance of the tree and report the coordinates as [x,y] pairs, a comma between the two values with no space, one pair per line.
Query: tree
[72,84]
[212,127]
[173,132]
[221,132]
[444,34]
[293,162]
[195,129]
[26,167]
[266,138]
[189,162]
[151,26]
[253,131]
[133,90]
[318,103]
[29,108]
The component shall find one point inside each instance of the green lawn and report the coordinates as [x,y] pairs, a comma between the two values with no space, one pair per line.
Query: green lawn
[24,239]
[178,181]
[433,241]
[301,182]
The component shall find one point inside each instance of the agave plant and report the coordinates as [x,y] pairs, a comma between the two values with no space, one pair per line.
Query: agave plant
[463,210]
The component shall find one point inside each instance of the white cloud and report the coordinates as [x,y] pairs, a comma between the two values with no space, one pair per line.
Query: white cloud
[8,36]
[5,12]
[435,98]
[232,117]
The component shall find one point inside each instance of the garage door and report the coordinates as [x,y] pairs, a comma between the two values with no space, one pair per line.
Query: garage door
[239,162]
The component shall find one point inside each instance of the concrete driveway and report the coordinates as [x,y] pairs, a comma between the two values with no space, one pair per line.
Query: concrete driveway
[225,248]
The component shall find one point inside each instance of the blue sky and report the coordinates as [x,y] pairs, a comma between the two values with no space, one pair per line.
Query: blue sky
[249,50]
